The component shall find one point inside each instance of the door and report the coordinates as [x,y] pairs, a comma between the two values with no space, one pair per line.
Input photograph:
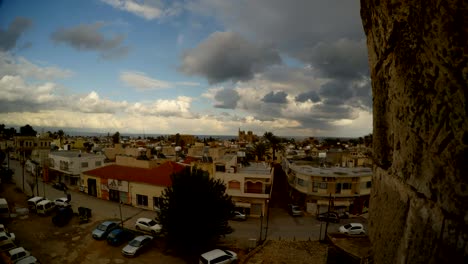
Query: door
[114,195]
[92,190]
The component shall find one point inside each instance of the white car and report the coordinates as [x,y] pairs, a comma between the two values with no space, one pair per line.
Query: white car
[148,225]
[218,256]
[352,229]
[4,236]
[17,254]
[62,202]
[137,245]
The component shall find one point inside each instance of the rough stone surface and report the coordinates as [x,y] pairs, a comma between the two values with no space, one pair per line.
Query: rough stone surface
[418,56]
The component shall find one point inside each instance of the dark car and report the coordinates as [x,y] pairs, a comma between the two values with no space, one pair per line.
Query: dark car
[104,229]
[119,236]
[60,186]
[63,216]
[329,217]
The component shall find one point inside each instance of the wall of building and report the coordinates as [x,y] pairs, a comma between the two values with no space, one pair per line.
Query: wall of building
[145,189]
[418,62]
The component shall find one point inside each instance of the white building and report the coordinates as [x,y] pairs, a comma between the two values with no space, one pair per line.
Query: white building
[68,165]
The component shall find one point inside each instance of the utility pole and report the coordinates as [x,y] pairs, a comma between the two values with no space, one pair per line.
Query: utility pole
[120,209]
[268,218]
[22,158]
[261,226]
[328,215]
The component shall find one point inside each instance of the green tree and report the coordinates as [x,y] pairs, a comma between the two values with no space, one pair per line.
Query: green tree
[116,137]
[27,130]
[274,143]
[194,211]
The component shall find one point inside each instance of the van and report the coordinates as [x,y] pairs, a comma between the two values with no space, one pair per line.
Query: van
[4,208]
[32,203]
[44,207]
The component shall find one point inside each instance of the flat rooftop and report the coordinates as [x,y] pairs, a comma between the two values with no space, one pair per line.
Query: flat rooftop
[72,154]
[331,171]
[256,168]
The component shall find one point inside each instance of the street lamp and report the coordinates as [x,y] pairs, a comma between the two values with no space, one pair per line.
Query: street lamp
[268,218]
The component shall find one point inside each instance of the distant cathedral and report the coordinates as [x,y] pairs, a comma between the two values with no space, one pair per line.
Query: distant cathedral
[249,137]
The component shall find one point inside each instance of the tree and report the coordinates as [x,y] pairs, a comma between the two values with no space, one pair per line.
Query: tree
[259,150]
[116,137]
[60,135]
[27,130]
[274,141]
[194,211]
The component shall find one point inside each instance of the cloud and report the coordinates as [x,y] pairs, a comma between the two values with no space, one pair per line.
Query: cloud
[92,103]
[164,107]
[11,65]
[309,95]
[141,81]
[10,36]
[146,10]
[277,98]
[87,37]
[226,98]
[227,56]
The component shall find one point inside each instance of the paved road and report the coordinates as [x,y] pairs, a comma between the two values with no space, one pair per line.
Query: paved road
[280,224]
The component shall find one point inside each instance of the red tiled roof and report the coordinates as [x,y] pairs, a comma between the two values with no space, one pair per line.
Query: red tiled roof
[160,176]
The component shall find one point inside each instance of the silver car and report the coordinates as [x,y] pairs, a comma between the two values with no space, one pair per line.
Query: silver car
[104,229]
[136,245]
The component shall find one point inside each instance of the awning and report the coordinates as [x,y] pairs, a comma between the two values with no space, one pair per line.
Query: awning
[244,205]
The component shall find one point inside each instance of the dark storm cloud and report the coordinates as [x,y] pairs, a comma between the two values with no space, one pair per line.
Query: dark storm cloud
[278,98]
[227,98]
[10,36]
[88,37]
[310,95]
[343,59]
[227,56]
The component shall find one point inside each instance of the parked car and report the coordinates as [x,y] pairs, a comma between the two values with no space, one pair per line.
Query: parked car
[63,216]
[118,236]
[294,210]
[60,186]
[137,245]
[4,236]
[3,228]
[236,215]
[61,202]
[104,229]
[352,229]
[32,202]
[148,225]
[343,215]
[45,207]
[329,217]
[218,256]
[28,260]
[16,254]
[7,246]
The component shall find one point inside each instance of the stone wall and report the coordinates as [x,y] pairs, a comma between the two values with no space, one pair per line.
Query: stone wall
[418,56]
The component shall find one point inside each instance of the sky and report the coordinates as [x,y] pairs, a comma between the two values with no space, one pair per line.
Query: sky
[201,67]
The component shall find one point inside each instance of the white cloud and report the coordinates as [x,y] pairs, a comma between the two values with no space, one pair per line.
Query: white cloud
[179,107]
[92,103]
[141,9]
[188,83]
[141,81]
[10,65]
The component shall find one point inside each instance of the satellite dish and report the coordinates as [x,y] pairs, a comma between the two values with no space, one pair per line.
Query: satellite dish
[178,148]
[158,148]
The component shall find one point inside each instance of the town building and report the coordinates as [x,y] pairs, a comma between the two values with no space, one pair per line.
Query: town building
[249,186]
[139,183]
[67,165]
[316,188]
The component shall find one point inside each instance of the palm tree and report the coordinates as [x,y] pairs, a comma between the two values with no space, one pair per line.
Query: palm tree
[260,150]
[274,142]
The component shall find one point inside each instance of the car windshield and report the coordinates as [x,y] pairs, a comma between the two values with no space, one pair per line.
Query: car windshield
[113,234]
[135,243]
[227,252]
[347,226]
[102,227]
[152,223]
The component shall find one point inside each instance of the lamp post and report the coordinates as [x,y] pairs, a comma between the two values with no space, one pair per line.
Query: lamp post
[261,226]
[267,217]
[120,209]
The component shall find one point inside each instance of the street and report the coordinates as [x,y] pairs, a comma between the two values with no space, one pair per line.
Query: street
[279,226]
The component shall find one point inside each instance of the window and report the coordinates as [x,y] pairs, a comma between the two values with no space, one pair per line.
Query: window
[300,182]
[220,167]
[84,164]
[315,187]
[157,202]
[142,200]
[346,186]
[98,163]
[368,184]
[323,185]
[338,188]
[234,185]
